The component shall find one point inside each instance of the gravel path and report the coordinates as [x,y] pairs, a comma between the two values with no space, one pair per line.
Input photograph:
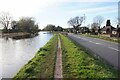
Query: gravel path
[58,63]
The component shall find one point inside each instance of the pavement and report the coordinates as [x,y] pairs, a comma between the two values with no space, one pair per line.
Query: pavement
[58,63]
[108,51]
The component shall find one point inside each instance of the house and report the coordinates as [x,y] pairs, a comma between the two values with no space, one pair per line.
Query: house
[116,32]
[109,30]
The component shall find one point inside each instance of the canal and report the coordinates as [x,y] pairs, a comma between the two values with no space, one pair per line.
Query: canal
[16,53]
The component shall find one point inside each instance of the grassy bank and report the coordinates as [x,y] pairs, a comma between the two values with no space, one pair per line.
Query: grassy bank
[77,63]
[112,39]
[42,65]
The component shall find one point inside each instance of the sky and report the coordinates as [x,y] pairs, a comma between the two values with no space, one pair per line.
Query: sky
[58,12]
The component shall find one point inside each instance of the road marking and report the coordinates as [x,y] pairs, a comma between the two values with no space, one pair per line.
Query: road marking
[97,43]
[113,48]
[88,40]
[92,42]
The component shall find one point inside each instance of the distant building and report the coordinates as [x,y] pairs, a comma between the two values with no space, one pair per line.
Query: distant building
[110,31]
[116,31]
[107,29]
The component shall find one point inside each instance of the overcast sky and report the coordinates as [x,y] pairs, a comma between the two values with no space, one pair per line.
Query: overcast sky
[58,12]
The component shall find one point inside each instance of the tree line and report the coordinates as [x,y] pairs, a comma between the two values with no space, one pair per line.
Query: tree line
[77,21]
[51,27]
[24,24]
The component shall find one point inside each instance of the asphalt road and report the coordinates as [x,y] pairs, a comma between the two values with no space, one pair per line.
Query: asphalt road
[108,51]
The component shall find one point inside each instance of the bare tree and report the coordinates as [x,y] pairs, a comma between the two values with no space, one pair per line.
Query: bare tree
[98,19]
[71,22]
[76,22]
[95,28]
[5,19]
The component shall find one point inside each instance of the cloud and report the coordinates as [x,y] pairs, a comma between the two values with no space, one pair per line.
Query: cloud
[34,8]
[20,8]
[100,10]
[94,0]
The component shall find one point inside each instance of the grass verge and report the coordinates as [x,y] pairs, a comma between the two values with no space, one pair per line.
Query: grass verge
[112,39]
[77,63]
[42,64]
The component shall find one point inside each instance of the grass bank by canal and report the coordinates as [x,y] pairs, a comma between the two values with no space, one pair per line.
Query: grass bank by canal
[77,63]
[112,39]
[42,65]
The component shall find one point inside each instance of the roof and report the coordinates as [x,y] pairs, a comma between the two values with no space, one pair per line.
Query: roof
[117,29]
[107,27]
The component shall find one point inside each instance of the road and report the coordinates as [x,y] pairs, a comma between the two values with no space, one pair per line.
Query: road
[108,51]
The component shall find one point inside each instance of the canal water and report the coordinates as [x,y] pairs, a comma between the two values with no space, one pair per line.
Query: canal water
[16,53]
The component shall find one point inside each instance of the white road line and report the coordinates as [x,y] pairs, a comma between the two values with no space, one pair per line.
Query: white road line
[97,43]
[92,42]
[89,41]
[113,48]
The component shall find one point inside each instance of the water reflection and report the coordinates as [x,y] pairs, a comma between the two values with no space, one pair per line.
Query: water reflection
[15,53]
